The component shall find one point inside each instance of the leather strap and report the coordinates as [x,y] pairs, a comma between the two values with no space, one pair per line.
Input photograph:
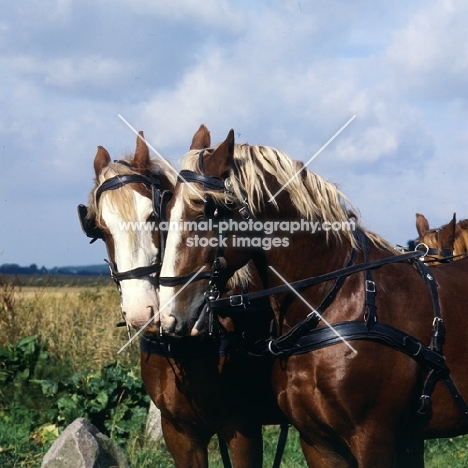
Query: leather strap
[305,283]
[136,272]
[187,347]
[223,450]
[430,360]
[356,330]
[281,445]
[120,180]
[171,281]
[210,182]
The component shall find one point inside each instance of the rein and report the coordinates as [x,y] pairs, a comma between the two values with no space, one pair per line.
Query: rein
[305,283]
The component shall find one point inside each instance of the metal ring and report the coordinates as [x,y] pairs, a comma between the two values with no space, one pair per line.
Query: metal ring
[271,351]
[422,244]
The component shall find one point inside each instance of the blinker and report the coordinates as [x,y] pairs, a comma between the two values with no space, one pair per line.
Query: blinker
[88,225]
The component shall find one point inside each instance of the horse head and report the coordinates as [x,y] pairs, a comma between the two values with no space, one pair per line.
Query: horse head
[195,267]
[440,241]
[124,211]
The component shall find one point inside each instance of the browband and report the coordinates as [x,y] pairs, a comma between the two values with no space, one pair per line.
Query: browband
[120,180]
[210,182]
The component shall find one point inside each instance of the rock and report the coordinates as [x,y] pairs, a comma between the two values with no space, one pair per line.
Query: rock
[81,445]
[153,423]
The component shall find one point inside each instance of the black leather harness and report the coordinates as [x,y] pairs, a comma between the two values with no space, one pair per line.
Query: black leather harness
[306,336]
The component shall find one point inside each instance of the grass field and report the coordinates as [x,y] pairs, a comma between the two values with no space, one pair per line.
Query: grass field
[76,319]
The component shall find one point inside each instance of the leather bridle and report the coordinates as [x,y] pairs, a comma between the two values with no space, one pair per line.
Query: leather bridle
[90,228]
[211,210]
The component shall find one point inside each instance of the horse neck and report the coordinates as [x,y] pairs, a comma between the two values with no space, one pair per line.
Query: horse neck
[460,245]
[308,255]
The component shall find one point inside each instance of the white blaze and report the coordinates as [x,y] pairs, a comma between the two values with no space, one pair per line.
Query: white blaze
[133,250]
[173,241]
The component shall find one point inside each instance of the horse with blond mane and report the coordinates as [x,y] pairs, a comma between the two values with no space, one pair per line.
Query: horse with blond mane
[203,385]
[365,335]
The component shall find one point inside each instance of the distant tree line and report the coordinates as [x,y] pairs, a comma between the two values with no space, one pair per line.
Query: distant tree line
[33,269]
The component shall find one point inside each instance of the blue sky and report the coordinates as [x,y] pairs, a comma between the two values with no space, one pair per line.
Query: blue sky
[283,73]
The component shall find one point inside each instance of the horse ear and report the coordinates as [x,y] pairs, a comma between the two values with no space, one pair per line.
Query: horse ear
[453,225]
[101,160]
[141,158]
[201,139]
[422,224]
[447,234]
[220,162]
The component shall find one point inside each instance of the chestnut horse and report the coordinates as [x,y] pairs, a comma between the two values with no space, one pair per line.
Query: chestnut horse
[355,361]
[446,243]
[203,385]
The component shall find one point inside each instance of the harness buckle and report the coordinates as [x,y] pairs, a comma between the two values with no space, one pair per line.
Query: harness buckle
[244,211]
[236,300]
[228,185]
[370,286]
[211,295]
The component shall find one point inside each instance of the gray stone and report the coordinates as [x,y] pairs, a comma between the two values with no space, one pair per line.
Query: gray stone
[81,445]
[153,423]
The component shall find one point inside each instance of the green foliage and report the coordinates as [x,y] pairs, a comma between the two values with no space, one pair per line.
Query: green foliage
[35,405]
[18,366]
[444,453]
[21,401]
[110,399]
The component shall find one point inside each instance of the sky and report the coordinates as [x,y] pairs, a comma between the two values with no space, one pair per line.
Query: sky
[287,74]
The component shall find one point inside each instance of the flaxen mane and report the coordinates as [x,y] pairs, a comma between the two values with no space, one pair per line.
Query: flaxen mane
[314,198]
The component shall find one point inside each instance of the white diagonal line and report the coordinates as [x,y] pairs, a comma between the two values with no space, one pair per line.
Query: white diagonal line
[142,138]
[157,154]
[166,304]
[312,158]
[314,311]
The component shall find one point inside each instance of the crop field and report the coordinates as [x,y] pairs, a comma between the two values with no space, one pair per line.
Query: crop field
[57,336]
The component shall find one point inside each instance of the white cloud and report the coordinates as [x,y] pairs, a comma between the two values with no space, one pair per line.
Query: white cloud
[215,13]
[90,71]
[430,55]
[94,71]
[55,11]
